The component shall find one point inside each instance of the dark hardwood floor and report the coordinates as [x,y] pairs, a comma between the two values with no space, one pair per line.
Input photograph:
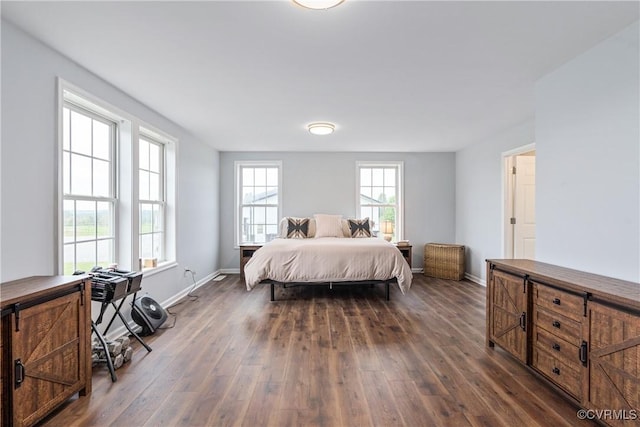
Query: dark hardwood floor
[319,357]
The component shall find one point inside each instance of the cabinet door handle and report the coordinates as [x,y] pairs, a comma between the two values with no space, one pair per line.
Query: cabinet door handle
[523,321]
[19,373]
[556,324]
[582,353]
[556,301]
[556,346]
[556,371]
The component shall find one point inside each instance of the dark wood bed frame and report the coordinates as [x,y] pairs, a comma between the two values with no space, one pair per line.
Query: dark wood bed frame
[330,284]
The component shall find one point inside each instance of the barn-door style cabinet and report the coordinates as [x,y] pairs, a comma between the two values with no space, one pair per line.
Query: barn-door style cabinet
[46,345]
[579,331]
[614,356]
[507,324]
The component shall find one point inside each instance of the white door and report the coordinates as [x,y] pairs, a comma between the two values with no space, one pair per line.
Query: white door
[524,231]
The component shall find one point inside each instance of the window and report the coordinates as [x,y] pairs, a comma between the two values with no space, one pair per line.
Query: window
[380,197]
[88,182]
[258,201]
[117,187]
[151,197]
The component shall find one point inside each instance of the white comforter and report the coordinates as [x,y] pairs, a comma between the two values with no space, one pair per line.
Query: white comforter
[327,259]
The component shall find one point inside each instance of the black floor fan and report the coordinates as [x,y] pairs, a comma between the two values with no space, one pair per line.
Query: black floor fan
[148,314]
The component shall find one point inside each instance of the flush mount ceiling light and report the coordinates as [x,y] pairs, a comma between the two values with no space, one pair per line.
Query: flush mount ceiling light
[318,4]
[321,128]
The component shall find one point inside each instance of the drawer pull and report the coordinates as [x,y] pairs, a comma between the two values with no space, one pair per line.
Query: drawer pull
[556,301]
[556,371]
[556,346]
[556,324]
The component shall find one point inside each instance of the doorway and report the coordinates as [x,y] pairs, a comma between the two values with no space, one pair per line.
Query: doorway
[520,202]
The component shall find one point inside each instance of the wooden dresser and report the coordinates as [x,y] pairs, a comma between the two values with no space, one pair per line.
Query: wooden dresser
[579,331]
[45,348]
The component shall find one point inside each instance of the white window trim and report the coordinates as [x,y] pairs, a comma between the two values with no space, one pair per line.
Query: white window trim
[399,164]
[68,93]
[169,189]
[236,170]
[162,202]
[131,126]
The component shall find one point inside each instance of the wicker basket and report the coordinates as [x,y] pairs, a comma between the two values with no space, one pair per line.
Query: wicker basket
[444,261]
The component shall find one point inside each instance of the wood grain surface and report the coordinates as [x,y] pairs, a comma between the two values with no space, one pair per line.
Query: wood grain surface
[319,357]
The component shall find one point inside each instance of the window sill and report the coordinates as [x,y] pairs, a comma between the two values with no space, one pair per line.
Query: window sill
[166,265]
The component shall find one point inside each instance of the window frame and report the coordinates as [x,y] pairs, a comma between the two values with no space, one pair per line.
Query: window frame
[399,205]
[238,205]
[111,199]
[147,135]
[125,178]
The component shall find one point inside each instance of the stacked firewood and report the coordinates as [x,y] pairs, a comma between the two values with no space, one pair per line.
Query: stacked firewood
[119,349]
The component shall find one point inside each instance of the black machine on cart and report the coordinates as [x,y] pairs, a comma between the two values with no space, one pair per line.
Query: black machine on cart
[107,287]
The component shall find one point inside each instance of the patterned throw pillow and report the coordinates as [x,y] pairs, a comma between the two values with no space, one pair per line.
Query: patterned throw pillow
[359,227]
[297,228]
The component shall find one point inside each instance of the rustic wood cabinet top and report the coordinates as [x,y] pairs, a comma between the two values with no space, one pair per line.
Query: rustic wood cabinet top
[603,288]
[35,287]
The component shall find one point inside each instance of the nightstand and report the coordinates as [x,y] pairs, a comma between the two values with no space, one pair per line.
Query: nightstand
[406,252]
[246,251]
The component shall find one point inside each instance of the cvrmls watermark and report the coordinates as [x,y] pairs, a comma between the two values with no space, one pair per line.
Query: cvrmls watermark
[608,414]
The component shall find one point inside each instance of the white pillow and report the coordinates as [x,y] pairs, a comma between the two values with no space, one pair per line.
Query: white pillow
[345,228]
[312,227]
[282,228]
[328,225]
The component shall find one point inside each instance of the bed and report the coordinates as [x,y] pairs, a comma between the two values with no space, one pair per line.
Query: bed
[328,260]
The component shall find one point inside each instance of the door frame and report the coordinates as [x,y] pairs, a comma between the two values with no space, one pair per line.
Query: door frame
[508,161]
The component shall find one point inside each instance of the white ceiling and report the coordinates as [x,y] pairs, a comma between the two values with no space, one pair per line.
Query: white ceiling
[392,75]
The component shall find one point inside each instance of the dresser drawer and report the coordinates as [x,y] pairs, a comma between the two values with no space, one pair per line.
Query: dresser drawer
[558,325]
[558,372]
[559,348]
[569,305]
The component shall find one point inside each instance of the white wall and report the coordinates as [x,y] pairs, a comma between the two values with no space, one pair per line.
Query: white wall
[479,196]
[28,160]
[588,139]
[586,136]
[323,182]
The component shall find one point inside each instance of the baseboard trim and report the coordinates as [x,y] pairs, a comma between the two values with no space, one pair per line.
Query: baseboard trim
[417,270]
[229,270]
[183,293]
[475,279]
